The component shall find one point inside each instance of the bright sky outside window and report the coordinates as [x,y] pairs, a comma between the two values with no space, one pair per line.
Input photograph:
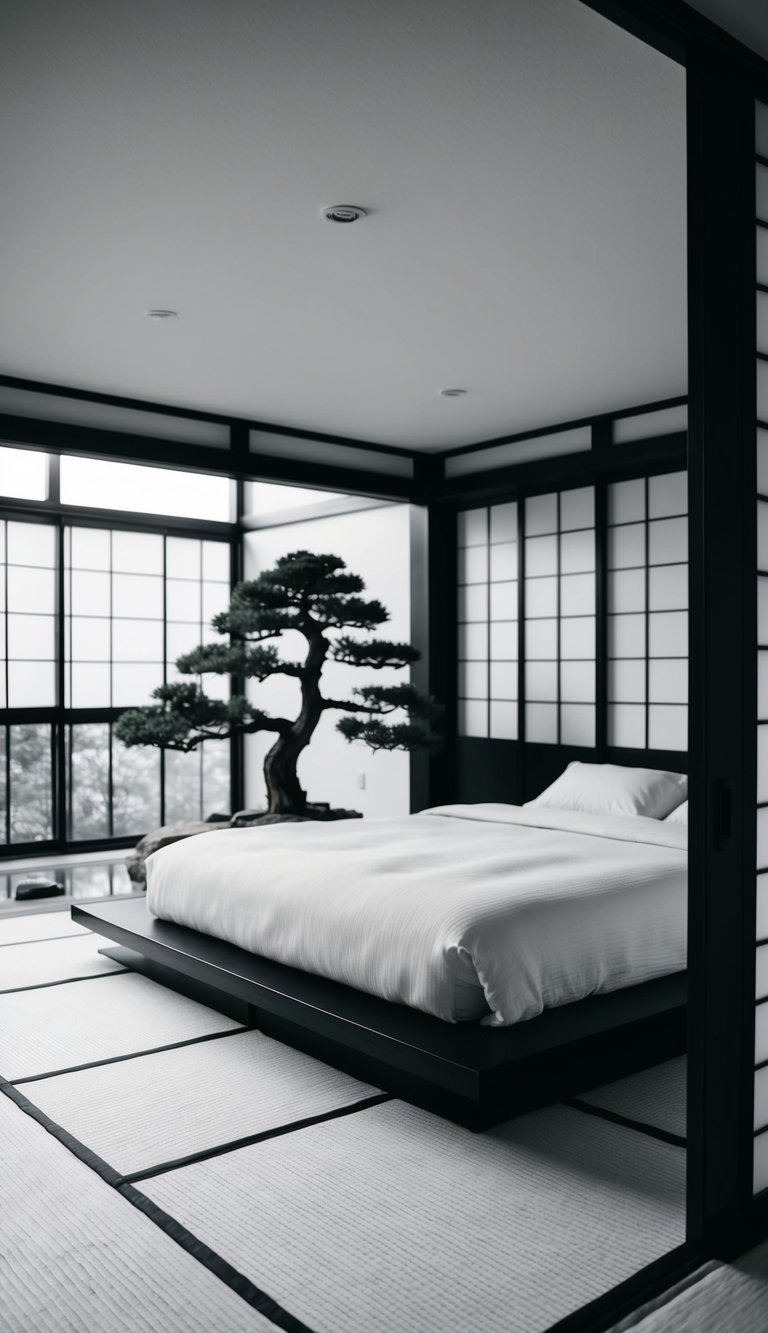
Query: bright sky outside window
[100,484]
[23,474]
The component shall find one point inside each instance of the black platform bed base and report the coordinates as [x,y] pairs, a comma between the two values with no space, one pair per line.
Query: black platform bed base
[476,1076]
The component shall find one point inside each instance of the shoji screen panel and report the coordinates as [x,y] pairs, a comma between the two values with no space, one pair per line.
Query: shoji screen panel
[488,622]
[560,620]
[647,613]
[760,1161]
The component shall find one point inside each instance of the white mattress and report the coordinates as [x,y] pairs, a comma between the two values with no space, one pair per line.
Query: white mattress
[536,907]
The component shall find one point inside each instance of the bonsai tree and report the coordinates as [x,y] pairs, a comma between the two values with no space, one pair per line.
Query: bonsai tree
[318,597]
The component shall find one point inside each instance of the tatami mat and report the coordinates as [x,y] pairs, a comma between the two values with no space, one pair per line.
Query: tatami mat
[392,1219]
[61,1026]
[77,1258]
[46,961]
[725,1298]
[656,1097]
[37,926]
[156,1108]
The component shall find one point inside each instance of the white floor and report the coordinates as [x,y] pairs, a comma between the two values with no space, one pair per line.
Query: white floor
[273,1191]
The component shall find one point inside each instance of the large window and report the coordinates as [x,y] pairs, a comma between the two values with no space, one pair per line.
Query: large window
[643,617]
[92,618]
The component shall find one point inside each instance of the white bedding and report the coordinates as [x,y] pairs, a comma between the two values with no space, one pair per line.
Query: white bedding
[538,907]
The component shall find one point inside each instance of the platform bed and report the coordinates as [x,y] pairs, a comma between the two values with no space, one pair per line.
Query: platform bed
[475,1075]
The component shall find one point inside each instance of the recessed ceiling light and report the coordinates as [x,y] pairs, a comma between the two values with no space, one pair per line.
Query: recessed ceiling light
[161,314]
[343,213]
[452,393]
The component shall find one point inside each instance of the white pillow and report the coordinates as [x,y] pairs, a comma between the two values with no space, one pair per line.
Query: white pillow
[612,789]
[678,816]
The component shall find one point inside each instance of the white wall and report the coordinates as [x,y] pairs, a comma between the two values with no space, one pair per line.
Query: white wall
[375,543]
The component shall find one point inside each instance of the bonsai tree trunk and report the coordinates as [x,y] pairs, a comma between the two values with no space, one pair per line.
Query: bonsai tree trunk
[284,792]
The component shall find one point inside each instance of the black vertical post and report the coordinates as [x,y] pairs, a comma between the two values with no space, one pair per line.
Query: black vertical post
[722,650]
[237,683]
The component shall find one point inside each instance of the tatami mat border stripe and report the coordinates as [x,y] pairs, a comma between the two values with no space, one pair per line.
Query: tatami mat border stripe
[64,981]
[236,1281]
[652,1282]
[277,1132]
[129,1055]
[640,1126]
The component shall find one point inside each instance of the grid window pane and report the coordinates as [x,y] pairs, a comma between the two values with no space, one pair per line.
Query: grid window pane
[541,598]
[504,642]
[183,558]
[31,684]
[626,726]
[138,595]
[473,642]
[626,501]
[668,495]
[541,681]
[89,781]
[540,515]
[31,544]
[626,636]
[541,723]
[473,527]
[216,570]
[473,564]
[577,639]
[577,595]
[577,682]
[668,681]
[31,791]
[136,789]
[137,552]
[541,640]
[577,724]
[31,636]
[668,588]
[667,541]
[667,727]
[473,603]
[626,590]
[473,717]
[540,556]
[90,639]
[577,552]
[90,685]
[183,785]
[503,562]
[577,508]
[503,720]
[215,600]
[89,593]
[504,522]
[668,633]
[503,680]
[626,682]
[89,548]
[626,546]
[137,640]
[31,587]
[503,601]
[473,680]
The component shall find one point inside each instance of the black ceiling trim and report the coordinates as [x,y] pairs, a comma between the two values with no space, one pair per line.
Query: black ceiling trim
[601,417]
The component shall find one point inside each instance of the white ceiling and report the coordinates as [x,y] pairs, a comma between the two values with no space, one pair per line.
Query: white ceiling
[523,161]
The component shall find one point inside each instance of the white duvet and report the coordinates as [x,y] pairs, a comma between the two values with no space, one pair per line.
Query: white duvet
[537,907]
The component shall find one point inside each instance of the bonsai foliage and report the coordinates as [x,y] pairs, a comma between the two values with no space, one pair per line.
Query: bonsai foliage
[318,597]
